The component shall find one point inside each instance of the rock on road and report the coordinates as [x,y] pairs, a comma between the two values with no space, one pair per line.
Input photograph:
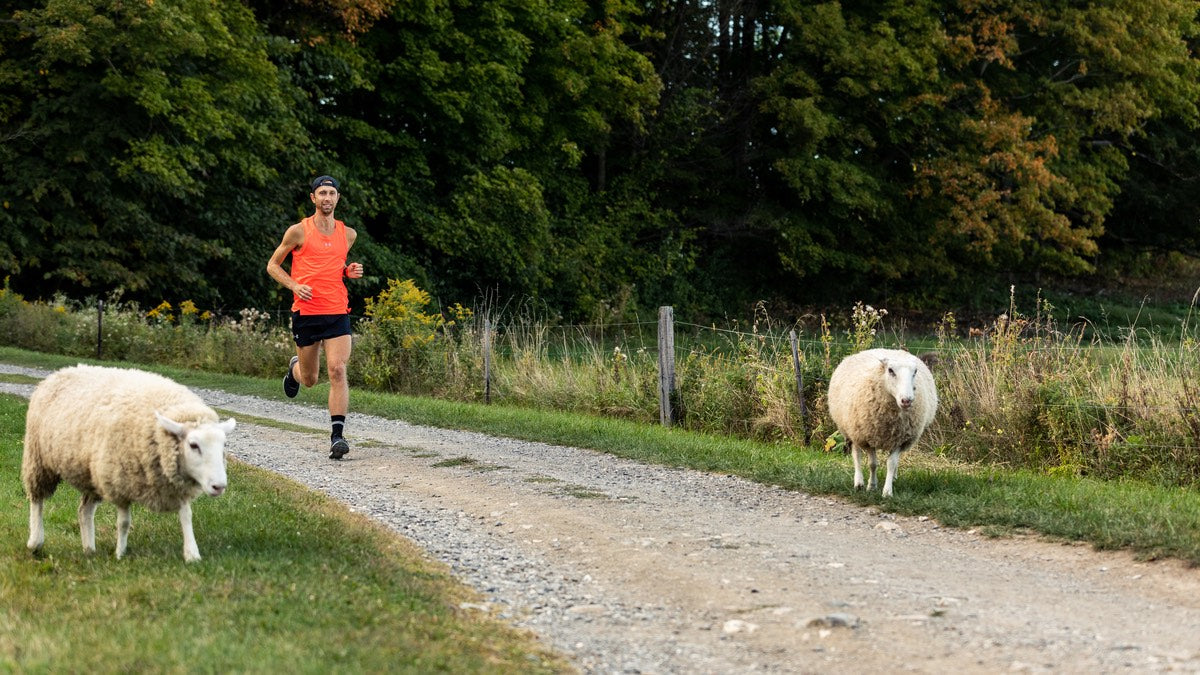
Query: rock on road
[630,568]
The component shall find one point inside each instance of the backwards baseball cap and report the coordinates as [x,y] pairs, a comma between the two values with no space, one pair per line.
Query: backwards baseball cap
[325,180]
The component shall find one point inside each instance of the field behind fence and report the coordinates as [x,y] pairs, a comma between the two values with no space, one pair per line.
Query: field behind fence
[1021,391]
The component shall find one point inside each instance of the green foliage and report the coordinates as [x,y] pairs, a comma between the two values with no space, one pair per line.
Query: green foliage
[911,145]
[132,130]
[402,347]
[501,225]
[601,158]
[469,124]
[399,310]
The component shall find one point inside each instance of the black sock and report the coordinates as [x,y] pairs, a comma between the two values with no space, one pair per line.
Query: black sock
[338,421]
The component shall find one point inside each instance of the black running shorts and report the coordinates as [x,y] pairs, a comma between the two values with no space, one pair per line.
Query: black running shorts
[310,329]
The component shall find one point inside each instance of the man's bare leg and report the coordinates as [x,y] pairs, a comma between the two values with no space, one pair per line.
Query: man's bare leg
[308,368]
[337,355]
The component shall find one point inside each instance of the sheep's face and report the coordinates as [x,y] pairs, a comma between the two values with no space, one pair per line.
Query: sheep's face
[899,378]
[202,449]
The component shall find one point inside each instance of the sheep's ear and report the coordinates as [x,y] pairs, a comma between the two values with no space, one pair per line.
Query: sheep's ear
[228,425]
[171,426]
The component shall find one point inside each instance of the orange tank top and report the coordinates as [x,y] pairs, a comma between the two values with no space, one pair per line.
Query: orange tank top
[319,263]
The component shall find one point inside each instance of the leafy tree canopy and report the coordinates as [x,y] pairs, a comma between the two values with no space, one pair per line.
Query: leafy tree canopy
[601,158]
[138,138]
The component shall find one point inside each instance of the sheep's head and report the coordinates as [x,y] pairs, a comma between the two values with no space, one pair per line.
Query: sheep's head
[899,378]
[202,450]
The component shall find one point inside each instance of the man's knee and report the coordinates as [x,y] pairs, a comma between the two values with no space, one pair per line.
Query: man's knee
[337,372]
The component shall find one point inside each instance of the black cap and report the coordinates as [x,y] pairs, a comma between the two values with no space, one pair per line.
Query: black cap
[324,180]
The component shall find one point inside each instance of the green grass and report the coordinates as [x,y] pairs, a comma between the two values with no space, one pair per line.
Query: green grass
[1152,521]
[290,582]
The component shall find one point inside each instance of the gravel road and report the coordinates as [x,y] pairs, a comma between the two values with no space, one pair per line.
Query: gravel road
[628,568]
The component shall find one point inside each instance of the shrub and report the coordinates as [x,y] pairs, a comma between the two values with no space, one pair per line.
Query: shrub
[44,327]
[251,344]
[399,344]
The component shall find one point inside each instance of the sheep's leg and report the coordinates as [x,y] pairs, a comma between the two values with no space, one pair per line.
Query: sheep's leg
[124,524]
[87,522]
[37,533]
[874,465]
[858,477]
[191,552]
[893,466]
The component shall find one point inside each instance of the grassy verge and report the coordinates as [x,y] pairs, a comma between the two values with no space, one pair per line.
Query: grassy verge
[290,582]
[1152,521]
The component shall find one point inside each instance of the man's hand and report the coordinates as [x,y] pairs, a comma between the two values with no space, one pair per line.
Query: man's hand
[354,270]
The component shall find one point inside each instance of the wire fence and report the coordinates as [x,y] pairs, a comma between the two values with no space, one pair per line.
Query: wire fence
[1020,394]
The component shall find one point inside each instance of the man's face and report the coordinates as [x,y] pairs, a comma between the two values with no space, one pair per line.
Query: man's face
[325,198]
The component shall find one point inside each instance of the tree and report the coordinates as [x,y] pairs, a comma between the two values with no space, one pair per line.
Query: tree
[468,132]
[142,149]
[873,146]
[1056,96]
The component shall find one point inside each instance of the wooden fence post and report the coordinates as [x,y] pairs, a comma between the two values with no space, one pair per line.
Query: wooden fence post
[666,365]
[800,386]
[487,361]
[100,330]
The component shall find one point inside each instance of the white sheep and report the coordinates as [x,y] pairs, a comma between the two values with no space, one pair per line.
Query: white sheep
[881,400]
[124,436]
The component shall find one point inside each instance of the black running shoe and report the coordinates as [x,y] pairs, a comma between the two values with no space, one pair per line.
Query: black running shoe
[290,386]
[338,448]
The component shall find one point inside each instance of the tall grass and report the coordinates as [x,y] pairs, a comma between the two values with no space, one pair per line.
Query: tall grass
[290,582]
[1022,391]
[1032,395]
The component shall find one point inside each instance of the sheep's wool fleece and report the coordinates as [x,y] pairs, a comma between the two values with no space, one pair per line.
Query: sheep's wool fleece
[95,427]
[866,412]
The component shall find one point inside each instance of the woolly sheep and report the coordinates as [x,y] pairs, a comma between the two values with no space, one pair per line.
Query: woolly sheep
[881,400]
[124,436]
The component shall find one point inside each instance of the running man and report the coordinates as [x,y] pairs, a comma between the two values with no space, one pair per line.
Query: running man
[321,308]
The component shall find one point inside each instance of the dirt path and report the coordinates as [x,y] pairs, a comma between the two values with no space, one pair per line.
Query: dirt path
[695,572]
[633,568]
